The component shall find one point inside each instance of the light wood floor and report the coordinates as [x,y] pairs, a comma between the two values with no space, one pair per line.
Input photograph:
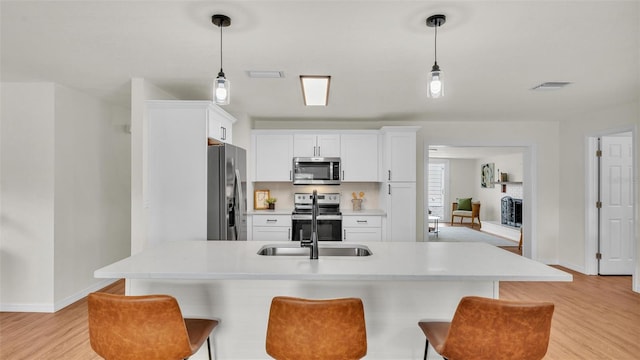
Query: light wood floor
[596,318]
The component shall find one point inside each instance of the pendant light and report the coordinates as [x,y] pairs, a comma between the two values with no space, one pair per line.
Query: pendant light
[435,85]
[221,86]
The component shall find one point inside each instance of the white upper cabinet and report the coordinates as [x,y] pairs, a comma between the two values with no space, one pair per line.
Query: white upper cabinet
[314,145]
[399,153]
[273,156]
[220,124]
[360,157]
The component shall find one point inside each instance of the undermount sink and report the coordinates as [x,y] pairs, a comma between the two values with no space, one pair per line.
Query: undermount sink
[323,250]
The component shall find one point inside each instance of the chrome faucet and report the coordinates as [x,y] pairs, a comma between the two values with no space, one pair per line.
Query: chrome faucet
[313,242]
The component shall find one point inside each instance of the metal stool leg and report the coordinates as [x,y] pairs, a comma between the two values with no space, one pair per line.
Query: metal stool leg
[426,348]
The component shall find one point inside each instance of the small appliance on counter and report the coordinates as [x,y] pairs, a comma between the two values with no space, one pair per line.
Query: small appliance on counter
[329,216]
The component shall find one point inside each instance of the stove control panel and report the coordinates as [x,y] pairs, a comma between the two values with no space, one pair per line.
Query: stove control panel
[328,199]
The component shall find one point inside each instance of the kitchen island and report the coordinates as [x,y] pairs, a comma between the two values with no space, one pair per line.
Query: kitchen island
[400,284]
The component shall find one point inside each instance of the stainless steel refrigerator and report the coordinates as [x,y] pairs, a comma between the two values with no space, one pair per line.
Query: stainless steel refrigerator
[226,193]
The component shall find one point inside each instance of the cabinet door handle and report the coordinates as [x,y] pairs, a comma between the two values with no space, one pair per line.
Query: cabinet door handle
[314,151]
[272,220]
[389,189]
[223,133]
[389,177]
[345,234]
[318,150]
[290,175]
[289,234]
[361,221]
[342,174]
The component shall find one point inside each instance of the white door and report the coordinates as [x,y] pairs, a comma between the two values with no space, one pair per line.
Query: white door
[436,189]
[617,247]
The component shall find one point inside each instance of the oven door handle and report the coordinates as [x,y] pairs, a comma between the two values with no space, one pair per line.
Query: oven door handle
[329,217]
[300,217]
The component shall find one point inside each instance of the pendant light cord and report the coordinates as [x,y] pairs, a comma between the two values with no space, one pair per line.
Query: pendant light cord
[435,42]
[221,46]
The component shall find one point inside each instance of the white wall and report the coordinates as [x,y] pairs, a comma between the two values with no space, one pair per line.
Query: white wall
[64,194]
[141,91]
[92,198]
[463,177]
[574,133]
[490,198]
[27,197]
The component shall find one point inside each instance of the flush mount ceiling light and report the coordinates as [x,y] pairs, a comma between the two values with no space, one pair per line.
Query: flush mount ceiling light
[221,86]
[315,89]
[435,84]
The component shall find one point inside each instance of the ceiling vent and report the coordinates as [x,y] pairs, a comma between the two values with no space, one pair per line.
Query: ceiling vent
[265,74]
[550,85]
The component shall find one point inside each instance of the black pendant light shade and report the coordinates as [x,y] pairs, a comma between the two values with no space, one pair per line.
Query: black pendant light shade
[435,84]
[221,86]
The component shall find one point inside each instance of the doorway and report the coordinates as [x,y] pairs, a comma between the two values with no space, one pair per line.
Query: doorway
[611,244]
[461,176]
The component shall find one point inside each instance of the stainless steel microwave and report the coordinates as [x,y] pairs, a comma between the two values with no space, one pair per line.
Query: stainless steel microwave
[316,171]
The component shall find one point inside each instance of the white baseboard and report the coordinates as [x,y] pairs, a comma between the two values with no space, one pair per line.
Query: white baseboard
[496,228]
[53,307]
[80,294]
[574,267]
[22,307]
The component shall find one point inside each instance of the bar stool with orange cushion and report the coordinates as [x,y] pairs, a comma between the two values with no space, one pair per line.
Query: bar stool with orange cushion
[149,327]
[316,329]
[484,329]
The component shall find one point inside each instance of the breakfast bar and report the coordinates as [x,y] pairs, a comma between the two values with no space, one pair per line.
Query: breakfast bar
[400,283]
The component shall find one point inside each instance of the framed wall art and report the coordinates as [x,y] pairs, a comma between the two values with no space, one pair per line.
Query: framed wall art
[487,175]
[260,199]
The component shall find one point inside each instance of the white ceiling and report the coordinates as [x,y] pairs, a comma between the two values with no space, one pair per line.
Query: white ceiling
[377,52]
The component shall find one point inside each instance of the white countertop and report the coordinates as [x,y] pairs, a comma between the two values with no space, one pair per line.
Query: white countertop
[349,212]
[414,261]
[276,211]
[345,212]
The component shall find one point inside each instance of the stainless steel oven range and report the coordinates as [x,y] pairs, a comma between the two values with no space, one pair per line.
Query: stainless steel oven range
[329,217]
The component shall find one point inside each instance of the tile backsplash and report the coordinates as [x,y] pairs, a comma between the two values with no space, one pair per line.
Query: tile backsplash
[284,193]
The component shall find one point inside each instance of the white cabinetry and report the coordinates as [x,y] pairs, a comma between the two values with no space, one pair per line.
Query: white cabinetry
[401,211]
[399,153]
[220,124]
[359,157]
[361,228]
[314,145]
[399,148]
[176,195]
[272,156]
[271,228]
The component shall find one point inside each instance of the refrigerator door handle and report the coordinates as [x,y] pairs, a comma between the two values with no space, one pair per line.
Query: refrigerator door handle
[238,201]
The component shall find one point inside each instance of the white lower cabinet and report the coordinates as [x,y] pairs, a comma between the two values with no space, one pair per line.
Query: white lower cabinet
[271,228]
[361,228]
[401,211]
